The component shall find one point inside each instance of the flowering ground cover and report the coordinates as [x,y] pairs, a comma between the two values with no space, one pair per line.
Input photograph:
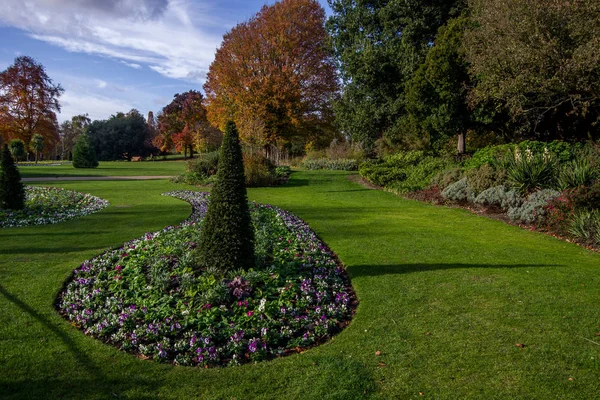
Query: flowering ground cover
[146,299]
[50,205]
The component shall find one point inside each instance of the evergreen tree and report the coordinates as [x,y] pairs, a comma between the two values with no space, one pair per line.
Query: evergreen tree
[12,193]
[83,154]
[227,239]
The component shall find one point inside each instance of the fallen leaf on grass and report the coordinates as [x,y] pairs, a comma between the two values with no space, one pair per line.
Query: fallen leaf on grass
[520,345]
[381,364]
[378,353]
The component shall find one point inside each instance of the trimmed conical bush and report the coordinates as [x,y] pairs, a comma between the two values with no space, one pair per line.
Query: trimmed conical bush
[227,236]
[83,154]
[12,192]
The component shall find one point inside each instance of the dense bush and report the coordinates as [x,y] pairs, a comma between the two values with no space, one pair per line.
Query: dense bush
[459,191]
[12,192]
[259,170]
[586,197]
[527,172]
[445,178]
[499,196]
[84,155]
[576,173]
[205,164]
[561,151]
[329,164]
[485,177]
[534,207]
[404,172]
[227,239]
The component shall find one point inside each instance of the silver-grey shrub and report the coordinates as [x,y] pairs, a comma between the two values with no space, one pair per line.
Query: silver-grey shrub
[532,208]
[459,191]
[499,196]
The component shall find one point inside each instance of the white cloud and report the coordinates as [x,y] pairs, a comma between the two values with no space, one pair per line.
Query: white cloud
[171,37]
[131,65]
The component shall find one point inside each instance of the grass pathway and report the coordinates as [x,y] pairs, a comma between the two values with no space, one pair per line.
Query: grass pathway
[445,296]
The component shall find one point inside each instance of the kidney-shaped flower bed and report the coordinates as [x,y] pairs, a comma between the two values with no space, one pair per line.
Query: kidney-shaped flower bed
[146,298]
[50,205]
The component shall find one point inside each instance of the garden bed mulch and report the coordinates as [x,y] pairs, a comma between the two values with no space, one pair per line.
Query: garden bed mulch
[434,196]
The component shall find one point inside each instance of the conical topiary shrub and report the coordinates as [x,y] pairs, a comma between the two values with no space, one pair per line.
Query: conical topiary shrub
[83,154]
[12,193]
[227,236]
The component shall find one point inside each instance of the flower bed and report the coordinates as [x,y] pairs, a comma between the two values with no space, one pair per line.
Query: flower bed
[49,205]
[146,299]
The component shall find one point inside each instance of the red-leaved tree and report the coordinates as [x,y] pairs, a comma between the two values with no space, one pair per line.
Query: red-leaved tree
[29,103]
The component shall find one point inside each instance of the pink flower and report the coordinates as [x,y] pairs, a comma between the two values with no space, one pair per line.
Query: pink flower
[250,313]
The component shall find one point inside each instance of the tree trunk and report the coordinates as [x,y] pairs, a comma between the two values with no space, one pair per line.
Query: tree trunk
[36,157]
[462,143]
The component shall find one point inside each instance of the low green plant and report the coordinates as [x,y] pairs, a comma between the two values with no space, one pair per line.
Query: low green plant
[576,173]
[527,172]
[329,164]
[585,225]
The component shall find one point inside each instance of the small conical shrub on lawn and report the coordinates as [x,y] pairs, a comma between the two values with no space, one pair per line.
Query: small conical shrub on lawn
[227,236]
[83,154]
[12,192]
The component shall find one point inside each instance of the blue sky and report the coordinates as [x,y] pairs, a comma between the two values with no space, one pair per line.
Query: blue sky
[115,55]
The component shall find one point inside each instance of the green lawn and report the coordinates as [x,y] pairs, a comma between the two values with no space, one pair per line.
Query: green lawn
[107,168]
[444,295]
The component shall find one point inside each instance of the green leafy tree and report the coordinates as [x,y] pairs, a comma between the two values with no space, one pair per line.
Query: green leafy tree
[379,44]
[123,135]
[436,95]
[36,145]
[227,238]
[84,155]
[17,149]
[70,131]
[540,61]
[12,192]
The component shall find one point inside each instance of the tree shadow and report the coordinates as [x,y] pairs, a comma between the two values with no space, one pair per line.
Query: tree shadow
[357,271]
[80,356]
[293,182]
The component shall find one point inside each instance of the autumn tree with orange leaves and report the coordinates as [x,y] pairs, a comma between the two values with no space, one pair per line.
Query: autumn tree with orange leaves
[28,103]
[182,124]
[275,77]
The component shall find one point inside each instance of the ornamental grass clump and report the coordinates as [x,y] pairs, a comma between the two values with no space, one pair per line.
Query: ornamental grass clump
[227,238]
[12,193]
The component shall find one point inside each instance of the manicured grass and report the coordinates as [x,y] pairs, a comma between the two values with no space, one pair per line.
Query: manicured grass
[107,168]
[444,295]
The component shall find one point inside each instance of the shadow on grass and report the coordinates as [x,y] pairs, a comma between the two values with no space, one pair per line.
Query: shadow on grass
[82,359]
[294,183]
[378,270]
